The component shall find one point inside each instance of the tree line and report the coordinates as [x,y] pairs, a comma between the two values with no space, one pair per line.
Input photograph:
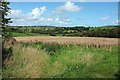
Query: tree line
[80,31]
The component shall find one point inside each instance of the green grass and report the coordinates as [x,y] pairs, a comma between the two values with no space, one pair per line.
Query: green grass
[59,34]
[15,34]
[28,34]
[67,61]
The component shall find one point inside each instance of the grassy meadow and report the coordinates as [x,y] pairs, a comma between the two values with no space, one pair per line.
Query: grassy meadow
[45,60]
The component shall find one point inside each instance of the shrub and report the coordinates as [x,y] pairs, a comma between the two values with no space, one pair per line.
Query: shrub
[52,34]
[51,48]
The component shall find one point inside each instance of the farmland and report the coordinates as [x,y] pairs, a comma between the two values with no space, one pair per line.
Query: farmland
[62,57]
[51,52]
[78,31]
[61,40]
[44,60]
[71,40]
[61,52]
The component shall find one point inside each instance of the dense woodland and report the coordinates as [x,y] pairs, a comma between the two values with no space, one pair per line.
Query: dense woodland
[80,31]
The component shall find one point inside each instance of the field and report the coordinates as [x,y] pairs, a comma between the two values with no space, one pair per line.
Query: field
[92,41]
[63,40]
[16,34]
[78,31]
[62,52]
[62,57]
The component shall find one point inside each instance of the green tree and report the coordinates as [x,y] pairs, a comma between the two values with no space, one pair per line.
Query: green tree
[4,11]
[7,39]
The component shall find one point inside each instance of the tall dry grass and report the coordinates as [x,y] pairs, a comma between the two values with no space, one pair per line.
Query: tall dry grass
[71,61]
[87,41]
[27,62]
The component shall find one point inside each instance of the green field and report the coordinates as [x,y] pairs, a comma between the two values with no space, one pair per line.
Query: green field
[16,34]
[43,60]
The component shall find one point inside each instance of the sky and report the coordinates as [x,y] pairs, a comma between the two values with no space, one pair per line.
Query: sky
[64,13]
[63,0]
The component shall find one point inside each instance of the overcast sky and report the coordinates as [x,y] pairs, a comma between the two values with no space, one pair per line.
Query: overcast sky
[64,13]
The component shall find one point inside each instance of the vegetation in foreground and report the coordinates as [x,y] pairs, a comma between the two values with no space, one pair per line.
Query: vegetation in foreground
[43,60]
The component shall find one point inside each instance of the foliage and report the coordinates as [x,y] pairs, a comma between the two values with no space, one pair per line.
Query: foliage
[4,9]
[4,12]
[50,48]
[71,61]
[110,32]
[7,40]
[52,34]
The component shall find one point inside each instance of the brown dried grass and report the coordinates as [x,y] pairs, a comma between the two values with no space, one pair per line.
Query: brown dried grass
[86,41]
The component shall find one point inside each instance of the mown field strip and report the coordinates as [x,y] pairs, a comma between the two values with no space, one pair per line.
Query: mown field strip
[71,40]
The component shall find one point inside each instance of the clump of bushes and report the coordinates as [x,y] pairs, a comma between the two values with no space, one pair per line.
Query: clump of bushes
[52,34]
[51,48]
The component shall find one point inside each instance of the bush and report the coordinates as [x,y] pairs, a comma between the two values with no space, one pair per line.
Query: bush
[52,34]
[51,48]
